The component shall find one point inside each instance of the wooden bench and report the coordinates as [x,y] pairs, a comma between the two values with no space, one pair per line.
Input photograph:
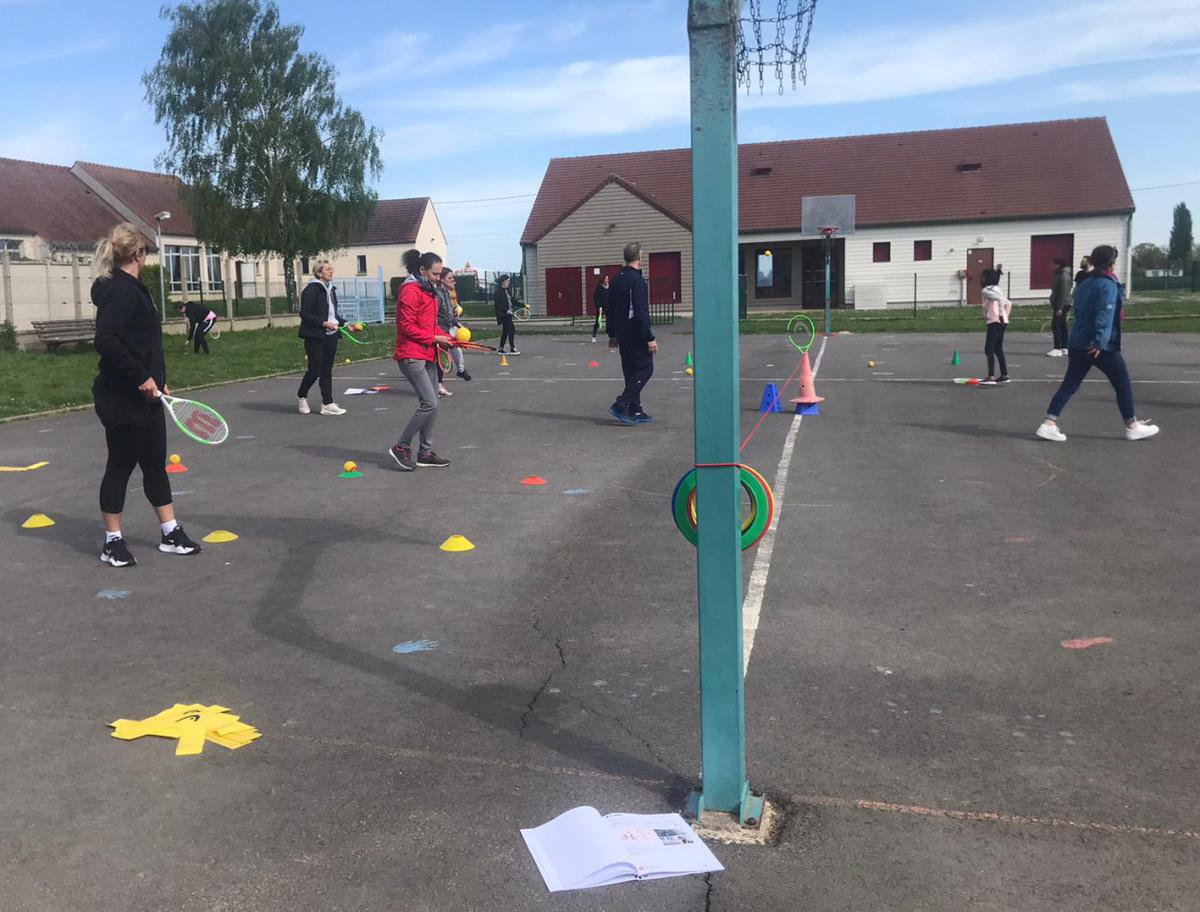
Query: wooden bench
[53,333]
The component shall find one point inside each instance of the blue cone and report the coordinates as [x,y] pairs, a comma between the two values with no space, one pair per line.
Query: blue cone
[770,399]
[807,408]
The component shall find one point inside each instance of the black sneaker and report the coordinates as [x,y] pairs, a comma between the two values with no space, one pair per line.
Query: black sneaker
[463,375]
[621,416]
[432,459]
[642,417]
[116,553]
[403,457]
[513,351]
[1003,379]
[177,542]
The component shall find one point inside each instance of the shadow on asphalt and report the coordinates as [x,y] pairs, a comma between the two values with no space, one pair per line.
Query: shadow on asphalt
[606,421]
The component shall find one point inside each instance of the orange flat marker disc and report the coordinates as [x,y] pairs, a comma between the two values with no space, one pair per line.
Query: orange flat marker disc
[533,480]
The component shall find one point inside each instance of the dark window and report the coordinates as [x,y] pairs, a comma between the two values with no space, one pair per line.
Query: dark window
[1043,248]
[362,264]
[304,266]
[968,166]
[761,171]
[922,250]
[773,273]
[881,252]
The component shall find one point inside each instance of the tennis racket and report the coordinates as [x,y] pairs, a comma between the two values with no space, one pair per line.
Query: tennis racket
[476,347]
[362,334]
[445,362]
[202,423]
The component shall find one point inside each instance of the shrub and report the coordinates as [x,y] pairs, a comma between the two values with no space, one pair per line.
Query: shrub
[8,337]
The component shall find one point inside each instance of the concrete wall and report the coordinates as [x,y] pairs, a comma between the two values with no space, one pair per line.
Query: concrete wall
[594,235]
[44,290]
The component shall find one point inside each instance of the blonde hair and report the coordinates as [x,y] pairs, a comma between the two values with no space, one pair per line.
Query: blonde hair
[121,245]
[318,267]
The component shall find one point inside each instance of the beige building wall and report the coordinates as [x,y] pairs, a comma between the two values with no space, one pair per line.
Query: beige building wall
[594,235]
[430,236]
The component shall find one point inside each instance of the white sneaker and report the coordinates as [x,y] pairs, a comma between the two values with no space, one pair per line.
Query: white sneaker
[304,409]
[1141,430]
[593,340]
[1054,353]
[1063,352]
[1048,431]
[332,409]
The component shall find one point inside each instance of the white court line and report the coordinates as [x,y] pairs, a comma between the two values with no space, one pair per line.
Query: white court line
[752,604]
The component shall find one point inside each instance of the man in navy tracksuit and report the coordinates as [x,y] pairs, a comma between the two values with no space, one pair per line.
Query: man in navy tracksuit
[628,326]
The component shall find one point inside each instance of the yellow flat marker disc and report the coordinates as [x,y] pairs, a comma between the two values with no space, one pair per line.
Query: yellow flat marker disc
[219,536]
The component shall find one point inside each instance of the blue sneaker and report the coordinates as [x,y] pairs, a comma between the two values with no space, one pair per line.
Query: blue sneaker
[621,416]
[642,417]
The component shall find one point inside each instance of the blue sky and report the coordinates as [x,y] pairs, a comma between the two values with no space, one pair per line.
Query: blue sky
[476,100]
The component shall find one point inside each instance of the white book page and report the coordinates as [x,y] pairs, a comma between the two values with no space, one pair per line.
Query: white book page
[574,850]
[660,845]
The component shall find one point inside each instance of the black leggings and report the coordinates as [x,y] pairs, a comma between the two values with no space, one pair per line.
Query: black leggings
[508,333]
[321,352]
[994,348]
[129,446]
[1058,325]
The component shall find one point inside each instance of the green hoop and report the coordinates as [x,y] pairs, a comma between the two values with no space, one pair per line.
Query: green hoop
[753,527]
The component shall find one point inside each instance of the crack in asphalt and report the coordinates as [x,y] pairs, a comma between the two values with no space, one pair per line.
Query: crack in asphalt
[530,705]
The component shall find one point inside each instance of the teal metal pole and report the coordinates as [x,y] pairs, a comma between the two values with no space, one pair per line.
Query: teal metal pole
[712,33]
[828,279]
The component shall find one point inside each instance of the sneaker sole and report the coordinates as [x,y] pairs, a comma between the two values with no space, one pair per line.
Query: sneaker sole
[403,467]
[433,465]
[177,549]
[1062,439]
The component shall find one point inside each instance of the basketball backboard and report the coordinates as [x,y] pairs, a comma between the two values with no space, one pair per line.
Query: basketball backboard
[820,212]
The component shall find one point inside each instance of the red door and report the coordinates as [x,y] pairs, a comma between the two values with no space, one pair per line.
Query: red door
[563,291]
[1043,248]
[978,259]
[666,271]
[594,275]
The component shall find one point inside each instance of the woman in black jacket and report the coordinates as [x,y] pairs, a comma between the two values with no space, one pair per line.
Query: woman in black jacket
[503,300]
[125,391]
[319,322]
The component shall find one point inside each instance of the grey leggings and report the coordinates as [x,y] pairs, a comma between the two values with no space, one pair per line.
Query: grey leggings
[423,377]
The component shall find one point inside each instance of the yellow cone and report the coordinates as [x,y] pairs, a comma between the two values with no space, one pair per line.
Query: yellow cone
[457,543]
[41,520]
[219,536]
[503,360]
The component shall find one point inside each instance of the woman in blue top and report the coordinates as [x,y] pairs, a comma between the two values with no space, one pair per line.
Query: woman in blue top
[1096,340]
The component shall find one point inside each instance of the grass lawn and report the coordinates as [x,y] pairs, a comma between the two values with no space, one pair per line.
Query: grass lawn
[1154,311]
[36,382]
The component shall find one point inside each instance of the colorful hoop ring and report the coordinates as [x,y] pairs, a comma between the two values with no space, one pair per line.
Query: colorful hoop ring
[753,527]
[812,333]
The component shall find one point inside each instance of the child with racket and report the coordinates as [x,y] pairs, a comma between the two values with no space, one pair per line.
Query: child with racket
[996,310]
[126,393]
[200,320]
[417,340]
[319,325]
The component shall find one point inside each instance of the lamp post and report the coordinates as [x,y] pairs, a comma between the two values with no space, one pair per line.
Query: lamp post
[162,284]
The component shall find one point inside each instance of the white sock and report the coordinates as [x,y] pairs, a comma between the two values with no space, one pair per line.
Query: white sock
[111,536]
[169,526]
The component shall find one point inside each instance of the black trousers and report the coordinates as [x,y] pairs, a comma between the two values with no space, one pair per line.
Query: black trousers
[994,348]
[197,329]
[1058,325]
[637,364]
[508,333]
[132,445]
[321,351]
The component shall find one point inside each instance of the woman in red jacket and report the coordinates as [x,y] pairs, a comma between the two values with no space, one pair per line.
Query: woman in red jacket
[417,338]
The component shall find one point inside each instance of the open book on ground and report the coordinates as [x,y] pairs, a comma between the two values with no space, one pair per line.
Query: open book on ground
[581,849]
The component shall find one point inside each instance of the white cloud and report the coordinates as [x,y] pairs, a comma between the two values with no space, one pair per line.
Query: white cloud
[53,141]
[410,57]
[55,53]
[1176,81]
[591,97]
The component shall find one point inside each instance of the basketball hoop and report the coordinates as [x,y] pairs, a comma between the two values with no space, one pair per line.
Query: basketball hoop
[828,232]
[779,41]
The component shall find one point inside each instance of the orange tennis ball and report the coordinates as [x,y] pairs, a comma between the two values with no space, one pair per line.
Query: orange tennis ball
[175,459]
[463,334]
[349,465]
[358,327]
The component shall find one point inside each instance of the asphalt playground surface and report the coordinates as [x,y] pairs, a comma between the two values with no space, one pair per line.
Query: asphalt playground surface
[910,705]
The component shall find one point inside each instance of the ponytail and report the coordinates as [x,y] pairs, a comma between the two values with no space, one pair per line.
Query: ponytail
[120,246]
[415,261]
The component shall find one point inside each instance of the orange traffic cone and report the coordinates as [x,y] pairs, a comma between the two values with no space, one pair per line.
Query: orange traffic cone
[503,360]
[806,402]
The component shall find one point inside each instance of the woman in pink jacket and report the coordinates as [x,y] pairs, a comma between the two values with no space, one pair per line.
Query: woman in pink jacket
[417,338]
[996,310]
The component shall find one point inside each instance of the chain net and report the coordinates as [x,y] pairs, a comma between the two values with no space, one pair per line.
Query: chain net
[778,41]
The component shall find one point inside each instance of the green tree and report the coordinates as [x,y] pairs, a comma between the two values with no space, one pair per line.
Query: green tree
[271,160]
[1148,256]
[1179,250]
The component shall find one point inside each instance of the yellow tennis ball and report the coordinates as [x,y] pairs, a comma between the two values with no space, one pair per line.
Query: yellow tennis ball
[458,311]
[689,371]
[870,364]
[349,465]
[463,334]
[358,327]
[347,360]
[174,460]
